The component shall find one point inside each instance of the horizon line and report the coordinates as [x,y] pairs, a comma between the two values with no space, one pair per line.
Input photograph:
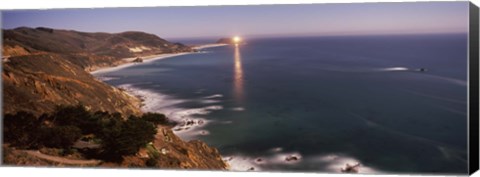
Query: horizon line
[260,35]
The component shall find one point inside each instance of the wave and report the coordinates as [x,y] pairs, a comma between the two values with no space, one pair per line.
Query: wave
[444,148]
[452,110]
[421,70]
[209,101]
[190,124]
[241,163]
[394,69]
[336,163]
[437,97]
[443,78]
[238,109]
[449,79]
[105,78]
[214,96]
[248,163]
[200,91]
[367,69]
[330,163]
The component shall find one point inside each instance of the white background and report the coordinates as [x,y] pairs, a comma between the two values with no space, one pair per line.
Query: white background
[73,172]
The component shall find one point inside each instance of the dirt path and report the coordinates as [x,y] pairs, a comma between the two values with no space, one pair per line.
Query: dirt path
[61,159]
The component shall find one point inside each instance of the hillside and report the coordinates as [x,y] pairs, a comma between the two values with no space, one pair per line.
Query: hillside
[86,49]
[39,83]
[46,67]
[45,70]
[75,136]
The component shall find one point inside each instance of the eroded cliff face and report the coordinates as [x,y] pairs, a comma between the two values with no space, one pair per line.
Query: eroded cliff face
[14,50]
[39,83]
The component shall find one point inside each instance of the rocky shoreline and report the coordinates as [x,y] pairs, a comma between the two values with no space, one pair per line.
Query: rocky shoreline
[182,125]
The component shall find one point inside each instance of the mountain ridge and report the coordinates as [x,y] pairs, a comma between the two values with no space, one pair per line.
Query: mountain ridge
[107,48]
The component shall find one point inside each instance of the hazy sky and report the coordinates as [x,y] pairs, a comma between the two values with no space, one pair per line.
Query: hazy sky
[260,20]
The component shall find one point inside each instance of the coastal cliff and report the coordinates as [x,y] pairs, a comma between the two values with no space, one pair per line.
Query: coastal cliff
[87,50]
[39,83]
[45,69]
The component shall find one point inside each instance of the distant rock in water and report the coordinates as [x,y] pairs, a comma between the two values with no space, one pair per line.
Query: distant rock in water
[225,41]
[350,168]
[291,158]
[422,69]
[230,41]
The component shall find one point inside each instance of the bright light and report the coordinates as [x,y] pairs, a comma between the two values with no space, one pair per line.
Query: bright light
[236,39]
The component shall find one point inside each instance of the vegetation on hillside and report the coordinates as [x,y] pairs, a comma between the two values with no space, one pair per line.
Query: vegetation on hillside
[116,135]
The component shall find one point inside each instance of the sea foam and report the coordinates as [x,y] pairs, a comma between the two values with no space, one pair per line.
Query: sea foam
[189,123]
[335,163]
[394,69]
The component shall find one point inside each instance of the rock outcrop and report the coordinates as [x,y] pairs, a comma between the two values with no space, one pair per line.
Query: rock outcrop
[138,60]
[225,41]
[179,154]
[174,153]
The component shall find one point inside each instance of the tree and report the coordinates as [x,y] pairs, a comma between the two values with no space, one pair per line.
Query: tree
[59,136]
[21,129]
[118,137]
[155,118]
[70,115]
[126,139]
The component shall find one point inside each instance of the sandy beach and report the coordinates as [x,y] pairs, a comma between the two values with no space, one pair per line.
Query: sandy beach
[127,62]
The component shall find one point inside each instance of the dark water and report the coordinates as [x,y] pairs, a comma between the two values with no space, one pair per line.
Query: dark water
[330,100]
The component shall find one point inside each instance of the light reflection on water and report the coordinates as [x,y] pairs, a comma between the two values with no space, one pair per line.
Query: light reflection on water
[238,76]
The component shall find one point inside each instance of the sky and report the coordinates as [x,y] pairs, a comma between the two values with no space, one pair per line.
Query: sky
[255,20]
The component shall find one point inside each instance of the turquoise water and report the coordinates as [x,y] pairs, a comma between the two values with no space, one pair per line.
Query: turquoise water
[326,100]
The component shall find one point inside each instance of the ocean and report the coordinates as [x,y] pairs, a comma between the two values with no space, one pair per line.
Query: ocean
[393,104]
